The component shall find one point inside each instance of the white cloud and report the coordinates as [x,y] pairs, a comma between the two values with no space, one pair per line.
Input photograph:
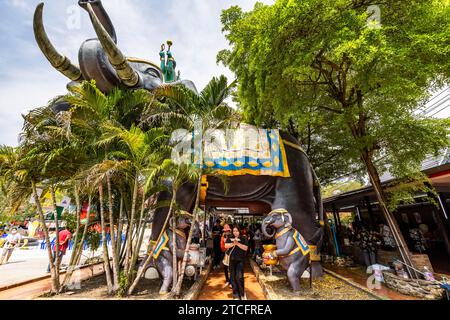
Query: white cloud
[28,80]
[18,97]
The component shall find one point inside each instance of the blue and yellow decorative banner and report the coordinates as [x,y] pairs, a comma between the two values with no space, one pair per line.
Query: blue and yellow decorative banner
[301,243]
[246,150]
[161,245]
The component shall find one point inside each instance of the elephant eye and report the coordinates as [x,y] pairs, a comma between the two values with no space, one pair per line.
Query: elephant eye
[151,71]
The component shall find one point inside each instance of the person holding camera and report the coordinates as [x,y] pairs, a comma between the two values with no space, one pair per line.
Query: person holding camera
[238,246]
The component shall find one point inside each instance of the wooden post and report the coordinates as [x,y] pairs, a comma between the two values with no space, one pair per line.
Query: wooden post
[442,219]
[358,213]
[203,243]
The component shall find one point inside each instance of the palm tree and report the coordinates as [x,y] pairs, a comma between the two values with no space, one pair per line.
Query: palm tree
[177,174]
[22,167]
[199,112]
[91,111]
[48,138]
[136,153]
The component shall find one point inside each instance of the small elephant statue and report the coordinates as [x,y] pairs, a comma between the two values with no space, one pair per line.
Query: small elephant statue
[163,250]
[292,250]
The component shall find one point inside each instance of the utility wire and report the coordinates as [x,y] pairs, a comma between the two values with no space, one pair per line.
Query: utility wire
[438,104]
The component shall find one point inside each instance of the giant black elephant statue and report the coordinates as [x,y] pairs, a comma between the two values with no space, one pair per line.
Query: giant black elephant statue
[299,194]
[100,59]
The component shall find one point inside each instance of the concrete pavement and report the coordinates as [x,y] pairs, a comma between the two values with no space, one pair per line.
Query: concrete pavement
[30,264]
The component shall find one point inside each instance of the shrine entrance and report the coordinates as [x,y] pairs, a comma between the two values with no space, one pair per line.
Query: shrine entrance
[244,214]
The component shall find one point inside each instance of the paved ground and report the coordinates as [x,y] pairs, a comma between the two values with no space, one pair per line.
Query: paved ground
[214,286]
[29,264]
[37,288]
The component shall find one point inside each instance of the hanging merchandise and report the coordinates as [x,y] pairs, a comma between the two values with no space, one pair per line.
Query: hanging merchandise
[418,217]
[333,230]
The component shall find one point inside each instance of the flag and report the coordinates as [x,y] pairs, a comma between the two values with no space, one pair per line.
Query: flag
[39,192]
[65,202]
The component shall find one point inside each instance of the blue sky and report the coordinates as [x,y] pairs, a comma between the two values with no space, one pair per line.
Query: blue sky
[27,80]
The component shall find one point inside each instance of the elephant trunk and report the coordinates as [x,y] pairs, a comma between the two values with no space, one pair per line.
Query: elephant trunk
[101,14]
[264,226]
[125,71]
[57,60]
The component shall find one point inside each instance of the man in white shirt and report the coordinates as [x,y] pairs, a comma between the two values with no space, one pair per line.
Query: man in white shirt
[12,241]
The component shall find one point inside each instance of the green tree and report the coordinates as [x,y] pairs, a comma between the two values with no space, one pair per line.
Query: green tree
[294,57]
[118,153]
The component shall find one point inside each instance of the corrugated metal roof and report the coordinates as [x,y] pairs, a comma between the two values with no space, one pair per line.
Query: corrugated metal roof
[428,163]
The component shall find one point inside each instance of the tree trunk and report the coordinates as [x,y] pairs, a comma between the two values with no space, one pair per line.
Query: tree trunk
[396,232]
[115,259]
[119,229]
[140,236]
[57,259]
[73,257]
[177,290]
[131,225]
[55,278]
[147,261]
[174,252]
[124,245]
[78,209]
[104,244]
[86,227]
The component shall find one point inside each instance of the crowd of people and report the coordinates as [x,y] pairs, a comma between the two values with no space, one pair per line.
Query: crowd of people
[12,238]
[231,246]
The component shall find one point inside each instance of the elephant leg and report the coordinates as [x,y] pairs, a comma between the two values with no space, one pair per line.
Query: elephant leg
[296,270]
[164,267]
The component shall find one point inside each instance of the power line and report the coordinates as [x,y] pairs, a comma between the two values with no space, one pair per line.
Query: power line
[437,95]
[431,106]
[445,107]
[438,104]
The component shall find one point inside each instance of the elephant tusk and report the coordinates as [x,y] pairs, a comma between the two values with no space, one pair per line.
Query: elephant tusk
[58,61]
[124,70]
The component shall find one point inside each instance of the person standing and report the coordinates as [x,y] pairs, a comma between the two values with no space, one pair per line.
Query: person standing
[226,234]
[12,241]
[64,238]
[217,235]
[238,246]
[258,236]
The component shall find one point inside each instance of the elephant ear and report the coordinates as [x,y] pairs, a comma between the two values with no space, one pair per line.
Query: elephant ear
[289,216]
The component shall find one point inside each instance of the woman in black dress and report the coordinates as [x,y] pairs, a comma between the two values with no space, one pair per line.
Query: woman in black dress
[238,246]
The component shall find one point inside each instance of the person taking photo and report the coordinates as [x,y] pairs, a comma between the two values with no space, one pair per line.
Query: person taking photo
[238,245]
